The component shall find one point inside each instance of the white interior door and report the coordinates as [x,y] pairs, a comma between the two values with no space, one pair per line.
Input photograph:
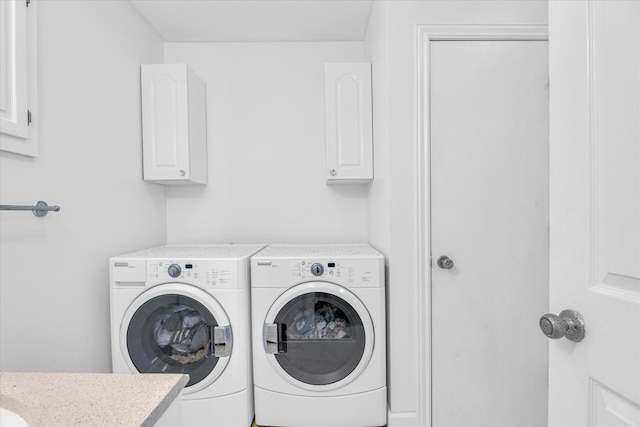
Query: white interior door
[595,210]
[489,214]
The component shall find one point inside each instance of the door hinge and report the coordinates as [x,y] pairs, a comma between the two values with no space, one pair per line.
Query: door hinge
[28,117]
[28,3]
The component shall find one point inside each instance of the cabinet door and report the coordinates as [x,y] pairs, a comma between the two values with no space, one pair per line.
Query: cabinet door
[17,77]
[348,113]
[165,122]
[13,63]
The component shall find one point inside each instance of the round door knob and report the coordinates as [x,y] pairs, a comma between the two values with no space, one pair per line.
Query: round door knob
[445,262]
[569,324]
[552,326]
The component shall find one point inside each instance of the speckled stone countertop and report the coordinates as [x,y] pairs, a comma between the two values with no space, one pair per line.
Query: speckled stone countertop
[65,399]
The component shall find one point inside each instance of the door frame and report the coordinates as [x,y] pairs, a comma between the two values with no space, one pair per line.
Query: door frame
[425,34]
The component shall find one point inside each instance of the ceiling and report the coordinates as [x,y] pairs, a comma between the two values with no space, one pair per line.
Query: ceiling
[257,20]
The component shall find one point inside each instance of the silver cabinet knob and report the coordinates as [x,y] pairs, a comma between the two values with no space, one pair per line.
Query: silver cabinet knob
[445,262]
[569,324]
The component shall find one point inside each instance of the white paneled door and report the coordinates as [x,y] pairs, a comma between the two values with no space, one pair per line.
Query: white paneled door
[489,134]
[595,210]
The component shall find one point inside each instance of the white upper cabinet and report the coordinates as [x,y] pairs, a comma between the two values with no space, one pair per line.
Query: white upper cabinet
[17,77]
[174,126]
[348,115]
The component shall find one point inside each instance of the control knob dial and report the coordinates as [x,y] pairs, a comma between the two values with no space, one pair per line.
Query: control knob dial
[174,270]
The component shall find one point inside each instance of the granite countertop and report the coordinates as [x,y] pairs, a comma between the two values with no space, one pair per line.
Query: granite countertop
[64,399]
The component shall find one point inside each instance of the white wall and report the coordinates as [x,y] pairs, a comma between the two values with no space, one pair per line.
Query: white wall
[378,200]
[391,42]
[265,108]
[54,289]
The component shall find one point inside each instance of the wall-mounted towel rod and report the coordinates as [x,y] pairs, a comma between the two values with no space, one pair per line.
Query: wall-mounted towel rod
[39,209]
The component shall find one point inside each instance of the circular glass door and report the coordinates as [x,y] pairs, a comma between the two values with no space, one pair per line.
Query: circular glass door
[325,335]
[170,329]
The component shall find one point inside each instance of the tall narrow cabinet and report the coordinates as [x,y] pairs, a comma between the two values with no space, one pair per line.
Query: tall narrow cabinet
[348,116]
[174,125]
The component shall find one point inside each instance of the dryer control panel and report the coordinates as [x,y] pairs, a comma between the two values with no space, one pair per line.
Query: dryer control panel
[333,271]
[351,272]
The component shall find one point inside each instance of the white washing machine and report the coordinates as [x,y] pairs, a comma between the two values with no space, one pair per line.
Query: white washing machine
[318,327]
[185,309]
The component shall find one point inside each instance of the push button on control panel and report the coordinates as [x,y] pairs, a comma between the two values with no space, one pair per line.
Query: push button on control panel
[317,269]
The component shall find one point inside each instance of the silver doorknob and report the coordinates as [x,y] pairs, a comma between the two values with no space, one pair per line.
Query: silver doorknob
[445,262]
[569,324]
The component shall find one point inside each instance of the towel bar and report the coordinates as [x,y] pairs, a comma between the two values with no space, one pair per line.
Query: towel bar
[39,209]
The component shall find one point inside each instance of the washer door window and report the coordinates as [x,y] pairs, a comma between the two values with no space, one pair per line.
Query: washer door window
[319,338]
[177,332]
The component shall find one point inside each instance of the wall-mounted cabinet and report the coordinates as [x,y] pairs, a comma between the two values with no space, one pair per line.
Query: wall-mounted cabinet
[18,77]
[174,125]
[348,115]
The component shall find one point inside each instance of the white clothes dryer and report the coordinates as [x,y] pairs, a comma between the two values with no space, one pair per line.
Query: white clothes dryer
[318,327]
[185,309]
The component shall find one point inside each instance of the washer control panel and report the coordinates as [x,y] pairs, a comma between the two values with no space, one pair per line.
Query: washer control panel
[204,273]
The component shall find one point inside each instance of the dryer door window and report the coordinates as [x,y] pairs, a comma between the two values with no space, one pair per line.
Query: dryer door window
[323,338]
[172,334]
